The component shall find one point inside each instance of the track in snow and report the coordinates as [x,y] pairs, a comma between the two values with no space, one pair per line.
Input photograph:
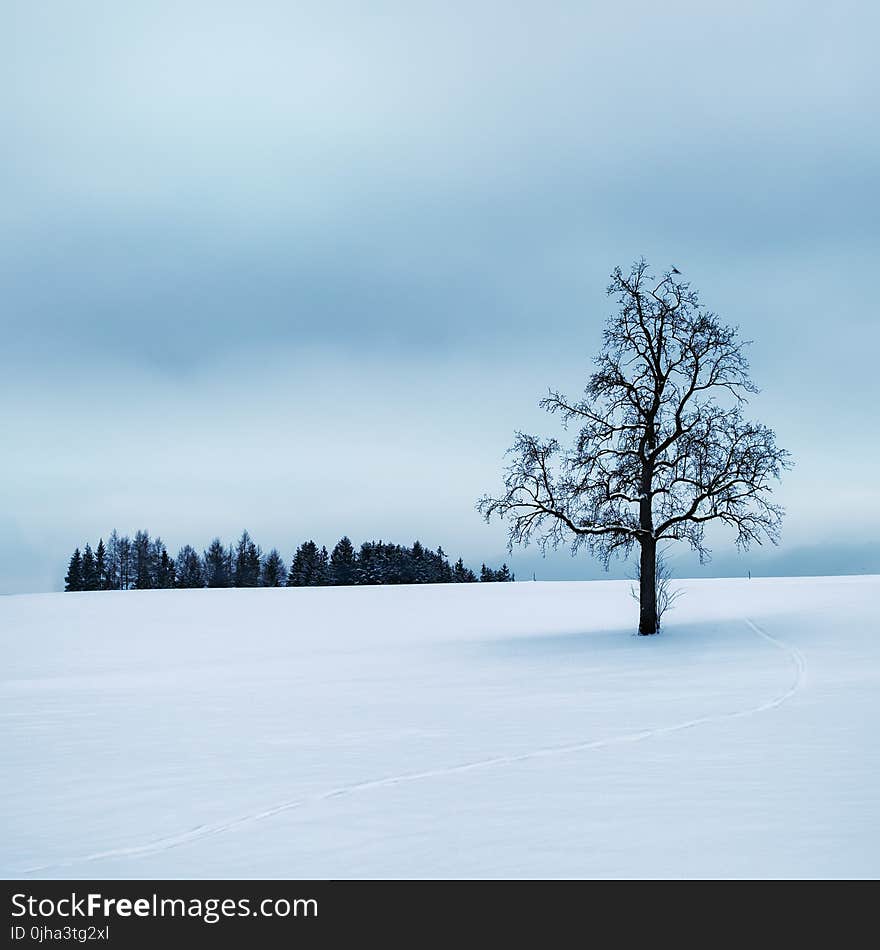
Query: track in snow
[201,832]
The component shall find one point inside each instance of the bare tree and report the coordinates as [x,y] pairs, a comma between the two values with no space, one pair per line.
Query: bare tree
[666,594]
[662,447]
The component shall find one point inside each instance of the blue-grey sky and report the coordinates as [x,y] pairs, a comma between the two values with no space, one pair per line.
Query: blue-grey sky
[304,267]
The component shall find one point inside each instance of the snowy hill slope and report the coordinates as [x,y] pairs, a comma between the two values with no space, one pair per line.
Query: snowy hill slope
[470,730]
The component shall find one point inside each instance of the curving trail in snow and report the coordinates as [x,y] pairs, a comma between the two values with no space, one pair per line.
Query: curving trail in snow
[202,832]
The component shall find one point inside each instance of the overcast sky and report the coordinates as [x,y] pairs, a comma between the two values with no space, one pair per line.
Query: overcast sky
[304,267]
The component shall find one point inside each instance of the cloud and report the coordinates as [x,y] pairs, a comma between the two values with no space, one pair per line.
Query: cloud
[386,229]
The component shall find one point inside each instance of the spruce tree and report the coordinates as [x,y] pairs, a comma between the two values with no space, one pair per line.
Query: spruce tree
[165,572]
[343,563]
[322,568]
[294,575]
[154,562]
[273,572]
[89,570]
[421,564]
[444,569]
[111,574]
[254,564]
[126,563]
[304,567]
[217,565]
[145,564]
[188,568]
[74,581]
[101,565]
[143,575]
[248,558]
[368,564]
[462,574]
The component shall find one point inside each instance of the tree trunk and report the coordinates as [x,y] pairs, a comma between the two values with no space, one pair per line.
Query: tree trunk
[648,620]
[648,587]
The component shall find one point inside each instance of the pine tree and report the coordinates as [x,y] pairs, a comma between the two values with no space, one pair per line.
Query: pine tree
[364,564]
[295,577]
[248,558]
[239,570]
[101,565]
[343,563]
[111,574]
[217,565]
[462,574]
[322,569]
[444,569]
[188,568]
[89,571]
[254,564]
[248,562]
[273,572]
[74,581]
[402,565]
[143,575]
[145,564]
[421,564]
[154,562]
[165,572]
[304,567]
[504,574]
[126,565]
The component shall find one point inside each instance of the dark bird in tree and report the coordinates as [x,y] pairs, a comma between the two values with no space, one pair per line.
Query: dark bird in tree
[662,447]
[675,270]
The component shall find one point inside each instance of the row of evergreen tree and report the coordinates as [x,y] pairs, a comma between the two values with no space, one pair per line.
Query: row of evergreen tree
[143,563]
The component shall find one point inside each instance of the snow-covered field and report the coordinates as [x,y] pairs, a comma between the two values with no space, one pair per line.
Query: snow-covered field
[504,730]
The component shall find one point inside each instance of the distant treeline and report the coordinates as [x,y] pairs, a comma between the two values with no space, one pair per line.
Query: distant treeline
[143,563]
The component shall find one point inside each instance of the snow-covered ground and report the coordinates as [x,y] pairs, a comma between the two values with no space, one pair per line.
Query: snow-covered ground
[504,730]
